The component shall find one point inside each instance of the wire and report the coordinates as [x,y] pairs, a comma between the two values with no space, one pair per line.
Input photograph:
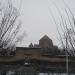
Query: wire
[57,28]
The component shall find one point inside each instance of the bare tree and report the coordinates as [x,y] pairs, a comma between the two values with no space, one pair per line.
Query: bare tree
[10,27]
[67,26]
[70,30]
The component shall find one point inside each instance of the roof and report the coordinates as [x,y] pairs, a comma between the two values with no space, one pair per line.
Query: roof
[27,48]
[45,37]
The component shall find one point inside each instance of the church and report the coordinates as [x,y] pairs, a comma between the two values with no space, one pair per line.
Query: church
[44,42]
[36,51]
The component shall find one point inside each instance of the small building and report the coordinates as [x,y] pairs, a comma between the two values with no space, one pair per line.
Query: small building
[45,42]
[36,45]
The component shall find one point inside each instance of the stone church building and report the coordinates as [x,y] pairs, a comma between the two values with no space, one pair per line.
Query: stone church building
[44,42]
[36,51]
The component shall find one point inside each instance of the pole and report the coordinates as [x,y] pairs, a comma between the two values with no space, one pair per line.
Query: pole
[66,56]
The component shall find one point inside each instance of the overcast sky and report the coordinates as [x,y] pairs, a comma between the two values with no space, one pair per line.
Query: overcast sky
[37,20]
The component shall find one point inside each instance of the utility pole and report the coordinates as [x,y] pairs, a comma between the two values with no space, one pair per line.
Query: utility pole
[66,56]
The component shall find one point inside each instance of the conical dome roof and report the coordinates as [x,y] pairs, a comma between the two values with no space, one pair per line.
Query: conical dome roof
[31,45]
[45,37]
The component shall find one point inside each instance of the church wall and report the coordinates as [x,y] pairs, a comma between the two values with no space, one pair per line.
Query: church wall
[28,52]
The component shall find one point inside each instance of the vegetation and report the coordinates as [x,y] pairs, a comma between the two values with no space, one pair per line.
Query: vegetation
[9,28]
[66,28]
